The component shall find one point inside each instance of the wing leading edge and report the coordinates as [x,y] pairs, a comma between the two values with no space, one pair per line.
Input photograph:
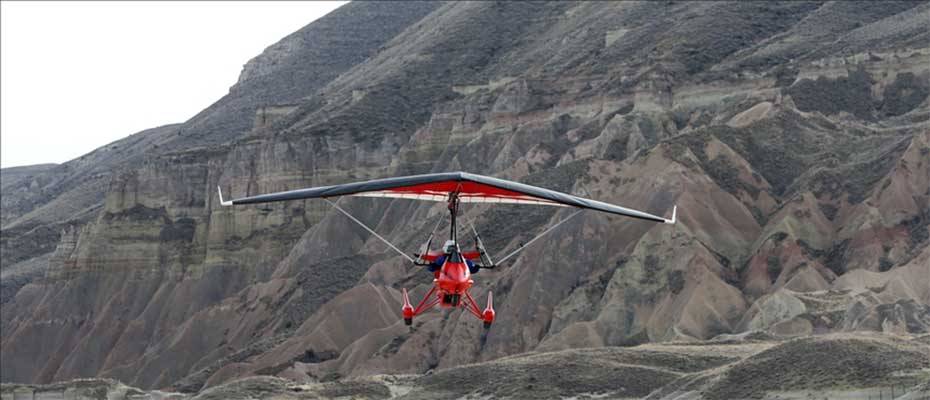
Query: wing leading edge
[471,188]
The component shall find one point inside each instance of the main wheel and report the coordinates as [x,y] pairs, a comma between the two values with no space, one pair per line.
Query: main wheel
[408,321]
[487,325]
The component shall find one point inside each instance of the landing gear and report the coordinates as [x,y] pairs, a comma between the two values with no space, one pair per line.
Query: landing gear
[463,300]
[488,314]
[428,302]
[407,310]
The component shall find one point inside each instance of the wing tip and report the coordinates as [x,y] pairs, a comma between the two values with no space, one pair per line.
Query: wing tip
[674,216]
[223,202]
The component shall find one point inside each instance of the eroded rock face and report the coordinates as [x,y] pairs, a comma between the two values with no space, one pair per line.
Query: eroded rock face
[794,220]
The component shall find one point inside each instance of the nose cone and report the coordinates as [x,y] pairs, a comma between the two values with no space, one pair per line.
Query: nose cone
[454,278]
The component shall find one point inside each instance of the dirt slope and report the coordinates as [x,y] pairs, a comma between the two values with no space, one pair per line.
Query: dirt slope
[839,365]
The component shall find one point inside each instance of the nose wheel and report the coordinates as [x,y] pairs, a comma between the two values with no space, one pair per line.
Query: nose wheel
[451,299]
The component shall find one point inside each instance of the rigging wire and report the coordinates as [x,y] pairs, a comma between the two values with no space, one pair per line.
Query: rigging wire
[371,231]
[523,246]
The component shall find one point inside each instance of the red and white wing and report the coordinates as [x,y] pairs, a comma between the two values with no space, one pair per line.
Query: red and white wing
[468,192]
[470,188]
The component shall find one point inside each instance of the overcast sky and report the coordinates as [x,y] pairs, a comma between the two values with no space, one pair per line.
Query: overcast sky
[76,76]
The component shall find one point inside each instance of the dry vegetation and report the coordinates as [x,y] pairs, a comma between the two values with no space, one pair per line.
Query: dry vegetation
[734,368]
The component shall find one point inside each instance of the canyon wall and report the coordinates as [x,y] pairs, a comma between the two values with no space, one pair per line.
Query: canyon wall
[793,137]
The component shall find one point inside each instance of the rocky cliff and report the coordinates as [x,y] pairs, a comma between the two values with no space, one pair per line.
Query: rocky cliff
[792,136]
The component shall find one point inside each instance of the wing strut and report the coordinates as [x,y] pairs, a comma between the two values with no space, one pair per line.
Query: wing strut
[429,240]
[523,246]
[480,245]
[336,206]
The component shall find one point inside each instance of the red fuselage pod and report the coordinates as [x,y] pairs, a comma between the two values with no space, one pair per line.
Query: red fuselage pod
[453,281]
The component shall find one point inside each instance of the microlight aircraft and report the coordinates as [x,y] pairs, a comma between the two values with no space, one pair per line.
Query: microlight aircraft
[451,267]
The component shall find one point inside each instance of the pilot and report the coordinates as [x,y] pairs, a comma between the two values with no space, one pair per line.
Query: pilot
[448,249]
[472,267]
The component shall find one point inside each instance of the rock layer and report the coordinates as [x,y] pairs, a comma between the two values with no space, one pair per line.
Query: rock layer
[796,217]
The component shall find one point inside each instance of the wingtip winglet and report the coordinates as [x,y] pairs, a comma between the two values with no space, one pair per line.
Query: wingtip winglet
[222,202]
[674,216]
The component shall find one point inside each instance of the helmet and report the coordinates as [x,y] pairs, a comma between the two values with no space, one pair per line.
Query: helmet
[449,246]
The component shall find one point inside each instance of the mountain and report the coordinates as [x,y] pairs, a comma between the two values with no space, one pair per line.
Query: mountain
[792,136]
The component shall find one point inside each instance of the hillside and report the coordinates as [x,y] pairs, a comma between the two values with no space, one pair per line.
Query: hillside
[844,366]
[793,137]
